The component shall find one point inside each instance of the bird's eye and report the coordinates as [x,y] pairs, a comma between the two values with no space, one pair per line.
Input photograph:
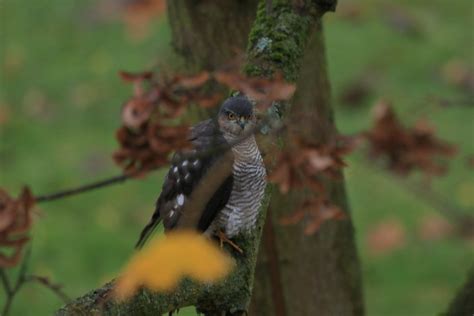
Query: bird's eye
[231,116]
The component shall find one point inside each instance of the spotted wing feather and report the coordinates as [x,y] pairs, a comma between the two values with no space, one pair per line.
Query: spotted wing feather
[187,172]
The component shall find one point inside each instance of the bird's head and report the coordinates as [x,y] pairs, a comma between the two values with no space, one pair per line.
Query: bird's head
[236,116]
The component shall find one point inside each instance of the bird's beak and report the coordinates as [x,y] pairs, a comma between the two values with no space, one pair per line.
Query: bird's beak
[242,122]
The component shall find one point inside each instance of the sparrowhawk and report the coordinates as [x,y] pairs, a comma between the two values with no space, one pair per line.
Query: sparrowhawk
[218,186]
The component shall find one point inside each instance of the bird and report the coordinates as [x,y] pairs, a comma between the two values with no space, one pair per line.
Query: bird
[216,187]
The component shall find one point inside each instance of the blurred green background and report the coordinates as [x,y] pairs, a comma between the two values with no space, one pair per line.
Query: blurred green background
[60,105]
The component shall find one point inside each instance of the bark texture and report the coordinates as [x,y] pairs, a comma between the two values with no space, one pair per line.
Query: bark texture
[320,273]
[210,33]
[277,41]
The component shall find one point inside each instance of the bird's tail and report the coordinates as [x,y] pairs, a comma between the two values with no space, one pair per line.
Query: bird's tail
[146,232]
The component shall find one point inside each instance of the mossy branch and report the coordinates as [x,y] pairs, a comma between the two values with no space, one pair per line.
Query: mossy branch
[276,43]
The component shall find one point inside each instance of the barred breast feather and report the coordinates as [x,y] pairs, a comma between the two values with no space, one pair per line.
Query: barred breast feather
[249,182]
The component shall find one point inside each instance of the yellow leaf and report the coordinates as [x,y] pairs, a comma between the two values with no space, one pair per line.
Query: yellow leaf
[166,260]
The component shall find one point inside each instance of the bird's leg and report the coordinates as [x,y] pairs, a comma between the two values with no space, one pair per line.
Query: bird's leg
[224,239]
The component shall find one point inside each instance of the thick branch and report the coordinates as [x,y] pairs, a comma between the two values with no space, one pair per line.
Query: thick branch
[231,295]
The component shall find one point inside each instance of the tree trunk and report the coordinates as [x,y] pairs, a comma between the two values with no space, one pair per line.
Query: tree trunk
[277,41]
[209,33]
[320,273]
[463,302]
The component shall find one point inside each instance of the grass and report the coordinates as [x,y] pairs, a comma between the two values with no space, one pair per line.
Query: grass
[60,102]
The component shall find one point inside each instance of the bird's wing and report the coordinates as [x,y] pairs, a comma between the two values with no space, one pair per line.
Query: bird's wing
[198,183]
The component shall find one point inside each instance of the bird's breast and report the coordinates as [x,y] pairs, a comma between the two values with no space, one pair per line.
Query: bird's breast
[249,184]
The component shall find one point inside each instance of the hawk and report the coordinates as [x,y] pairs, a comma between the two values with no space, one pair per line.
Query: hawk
[218,186]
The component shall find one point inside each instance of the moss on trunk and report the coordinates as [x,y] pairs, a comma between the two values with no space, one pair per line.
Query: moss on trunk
[320,273]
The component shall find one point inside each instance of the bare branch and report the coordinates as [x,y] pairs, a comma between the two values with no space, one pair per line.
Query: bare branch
[55,288]
[82,189]
[6,283]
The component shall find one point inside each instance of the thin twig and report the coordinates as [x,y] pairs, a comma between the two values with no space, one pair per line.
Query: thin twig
[432,198]
[5,282]
[123,177]
[11,293]
[84,188]
[55,288]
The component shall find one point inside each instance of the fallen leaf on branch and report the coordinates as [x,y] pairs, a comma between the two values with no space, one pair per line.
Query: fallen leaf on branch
[167,260]
[15,222]
[406,149]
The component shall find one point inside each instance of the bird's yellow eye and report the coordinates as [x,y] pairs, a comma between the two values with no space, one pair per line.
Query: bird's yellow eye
[231,116]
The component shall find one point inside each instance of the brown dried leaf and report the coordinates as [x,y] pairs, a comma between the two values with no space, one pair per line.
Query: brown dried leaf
[315,211]
[317,160]
[136,112]
[280,90]
[15,221]
[406,149]
[281,176]
[386,237]
[135,77]
[192,82]
[139,14]
[294,218]
[264,91]
[12,260]
[208,102]
[321,211]
[148,147]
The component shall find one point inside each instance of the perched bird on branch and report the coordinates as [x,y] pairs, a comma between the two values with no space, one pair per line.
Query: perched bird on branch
[218,186]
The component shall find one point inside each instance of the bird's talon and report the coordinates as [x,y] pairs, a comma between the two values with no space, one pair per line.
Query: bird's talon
[224,239]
